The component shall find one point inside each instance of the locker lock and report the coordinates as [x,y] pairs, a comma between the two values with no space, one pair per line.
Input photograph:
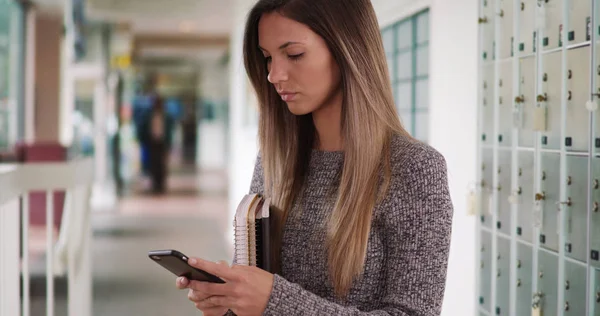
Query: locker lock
[541,275]
[537,300]
[569,180]
[520,172]
[567,285]
[543,175]
[522,6]
[501,14]
[545,77]
[540,196]
[595,207]
[542,98]
[520,99]
[519,283]
[519,264]
[570,74]
[483,20]
[570,95]
[597,297]
[566,306]
[596,184]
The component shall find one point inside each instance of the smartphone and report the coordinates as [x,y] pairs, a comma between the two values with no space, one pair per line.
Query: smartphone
[176,262]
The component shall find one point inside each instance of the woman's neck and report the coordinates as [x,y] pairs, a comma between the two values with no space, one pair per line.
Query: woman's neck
[328,124]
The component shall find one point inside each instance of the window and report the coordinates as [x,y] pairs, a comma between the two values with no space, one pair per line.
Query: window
[406,46]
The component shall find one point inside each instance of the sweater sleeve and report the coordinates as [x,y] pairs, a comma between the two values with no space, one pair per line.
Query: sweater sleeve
[418,223]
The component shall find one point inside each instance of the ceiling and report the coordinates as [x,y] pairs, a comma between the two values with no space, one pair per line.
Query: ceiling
[183,30]
[206,17]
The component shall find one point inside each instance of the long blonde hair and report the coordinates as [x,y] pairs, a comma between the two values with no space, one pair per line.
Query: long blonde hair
[369,119]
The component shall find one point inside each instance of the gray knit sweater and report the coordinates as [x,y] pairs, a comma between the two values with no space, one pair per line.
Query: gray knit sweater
[405,268]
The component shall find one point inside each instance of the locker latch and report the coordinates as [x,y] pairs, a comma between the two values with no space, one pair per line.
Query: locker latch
[536,306]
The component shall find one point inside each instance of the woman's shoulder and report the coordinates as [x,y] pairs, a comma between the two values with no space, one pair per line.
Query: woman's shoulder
[410,156]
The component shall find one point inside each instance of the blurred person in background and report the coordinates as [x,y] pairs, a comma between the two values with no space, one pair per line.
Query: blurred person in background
[160,125]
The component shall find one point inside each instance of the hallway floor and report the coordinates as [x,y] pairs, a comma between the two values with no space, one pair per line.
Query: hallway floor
[190,218]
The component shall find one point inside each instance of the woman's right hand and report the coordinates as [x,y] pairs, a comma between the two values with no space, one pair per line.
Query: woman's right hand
[197,297]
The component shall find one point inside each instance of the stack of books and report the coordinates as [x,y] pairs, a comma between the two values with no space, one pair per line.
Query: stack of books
[253,232]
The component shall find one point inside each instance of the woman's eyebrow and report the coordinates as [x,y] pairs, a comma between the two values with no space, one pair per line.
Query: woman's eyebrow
[282,46]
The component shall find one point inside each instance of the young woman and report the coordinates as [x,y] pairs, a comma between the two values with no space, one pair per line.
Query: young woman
[367,212]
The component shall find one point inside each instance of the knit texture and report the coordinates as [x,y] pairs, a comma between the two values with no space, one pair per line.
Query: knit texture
[407,253]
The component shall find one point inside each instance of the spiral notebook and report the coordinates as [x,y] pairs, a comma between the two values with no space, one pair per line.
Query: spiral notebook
[252,232]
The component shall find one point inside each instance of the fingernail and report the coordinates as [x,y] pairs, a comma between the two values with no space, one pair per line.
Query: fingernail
[192,261]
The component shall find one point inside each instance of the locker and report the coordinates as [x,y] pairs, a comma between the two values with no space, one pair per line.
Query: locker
[527,101]
[504,191]
[524,284]
[595,214]
[503,276]
[505,104]
[550,184]
[579,21]
[487,20]
[525,197]
[527,24]
[485,277]
[553,16]
[487,105]
[551,87]
[596,294]
[547,281]
[506,24]
[578,91]
[576,189]
[575,289]
[487,185]
[596,73]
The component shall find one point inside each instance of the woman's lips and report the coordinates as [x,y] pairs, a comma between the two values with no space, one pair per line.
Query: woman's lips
[288,96]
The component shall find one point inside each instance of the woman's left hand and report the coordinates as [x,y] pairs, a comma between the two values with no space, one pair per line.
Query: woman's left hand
[246,290]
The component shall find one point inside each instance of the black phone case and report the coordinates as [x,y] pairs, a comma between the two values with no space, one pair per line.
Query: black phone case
[176,262]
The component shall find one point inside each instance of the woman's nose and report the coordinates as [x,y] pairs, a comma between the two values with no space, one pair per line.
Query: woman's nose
[277,73]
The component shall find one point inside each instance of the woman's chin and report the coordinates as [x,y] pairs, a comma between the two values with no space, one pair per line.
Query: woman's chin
[296,109]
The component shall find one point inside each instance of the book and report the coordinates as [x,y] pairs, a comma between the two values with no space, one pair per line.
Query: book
[252,229]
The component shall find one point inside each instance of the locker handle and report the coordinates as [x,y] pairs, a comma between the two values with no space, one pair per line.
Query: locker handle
[483,20]
[540,196]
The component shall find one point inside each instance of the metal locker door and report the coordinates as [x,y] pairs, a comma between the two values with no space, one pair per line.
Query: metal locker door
[526,194]
[551,83]
[526,102]
[594,254]
[505,101]
[506,28]
[504,191]
[550,184]
[547,281]
[578,93]
[579,21]
[487,105]
[524,284]
[526,30]
[488,29]
[487,187]
[503,276]
[577,185]
[596,293]
[597,113]
[485,272]
[575,289]
[553,23]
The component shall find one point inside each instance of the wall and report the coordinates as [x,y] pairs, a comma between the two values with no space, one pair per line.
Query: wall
[212,134]
[48,31]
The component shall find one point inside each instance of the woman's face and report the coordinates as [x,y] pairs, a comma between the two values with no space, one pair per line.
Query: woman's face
[300,65]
